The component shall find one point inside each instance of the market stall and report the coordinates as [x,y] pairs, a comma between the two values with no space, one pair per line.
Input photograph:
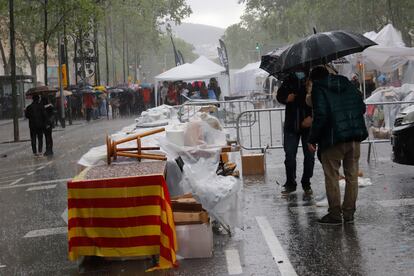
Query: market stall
[223,78]
[124,209]
[249,79]
[185,72]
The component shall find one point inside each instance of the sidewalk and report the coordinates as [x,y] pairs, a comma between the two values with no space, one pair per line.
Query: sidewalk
[9,121]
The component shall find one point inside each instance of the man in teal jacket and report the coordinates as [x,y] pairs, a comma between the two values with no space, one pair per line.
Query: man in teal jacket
[338,128]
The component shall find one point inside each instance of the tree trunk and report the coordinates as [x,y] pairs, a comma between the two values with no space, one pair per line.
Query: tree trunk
[6,64]
[111,33]
[45,41]
[13,72]
[106,51]
[96,46]
[33,62]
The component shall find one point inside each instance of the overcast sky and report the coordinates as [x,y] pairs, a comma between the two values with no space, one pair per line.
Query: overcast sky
[219,13]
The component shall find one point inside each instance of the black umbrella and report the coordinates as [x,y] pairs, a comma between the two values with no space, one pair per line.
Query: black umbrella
[317,49]
[40,90]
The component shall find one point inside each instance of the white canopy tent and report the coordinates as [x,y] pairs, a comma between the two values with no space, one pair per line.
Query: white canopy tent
[389,54]
[208,64]
[249,79]
[223,78]
[185,72]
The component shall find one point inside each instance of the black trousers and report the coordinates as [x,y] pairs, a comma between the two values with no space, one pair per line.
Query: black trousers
[36,134]
[88,114]
[291,143]
[49,140]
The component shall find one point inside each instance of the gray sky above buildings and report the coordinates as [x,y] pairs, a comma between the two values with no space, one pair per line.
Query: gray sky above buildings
[219,13]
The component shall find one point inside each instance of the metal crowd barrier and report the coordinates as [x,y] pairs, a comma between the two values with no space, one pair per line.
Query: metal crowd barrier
[226,111]
[266,132]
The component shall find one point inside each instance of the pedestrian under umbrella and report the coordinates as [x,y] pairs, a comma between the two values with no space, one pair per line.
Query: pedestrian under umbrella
[316,49]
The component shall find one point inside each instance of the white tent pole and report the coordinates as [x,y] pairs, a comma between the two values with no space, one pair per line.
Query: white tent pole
[363,76]
[156,93]
[228,86]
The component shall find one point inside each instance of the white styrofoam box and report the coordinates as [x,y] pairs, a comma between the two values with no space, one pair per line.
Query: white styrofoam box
[195,240]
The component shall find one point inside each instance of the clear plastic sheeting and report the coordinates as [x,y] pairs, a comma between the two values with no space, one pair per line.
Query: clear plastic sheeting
[157,116]
[219,195]
[409,73]
[384,115]
[200,141]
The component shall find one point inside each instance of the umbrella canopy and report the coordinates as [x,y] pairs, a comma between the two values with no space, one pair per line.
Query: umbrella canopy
[116,90]
[145,85]
[65,93]
[40,90]
[316,49]
[87,91]
[100,88]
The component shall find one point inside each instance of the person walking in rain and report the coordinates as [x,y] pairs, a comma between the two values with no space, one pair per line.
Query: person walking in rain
[338,128]
[35,113]
[213,85]
[50,113]
[298,119]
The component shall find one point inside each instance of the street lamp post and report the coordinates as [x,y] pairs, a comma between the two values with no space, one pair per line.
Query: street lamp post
[13,71]
[61,51]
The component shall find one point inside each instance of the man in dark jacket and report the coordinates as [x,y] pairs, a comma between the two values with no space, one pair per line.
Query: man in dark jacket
[298,119]
[338,128]
[36,115]
[50,112]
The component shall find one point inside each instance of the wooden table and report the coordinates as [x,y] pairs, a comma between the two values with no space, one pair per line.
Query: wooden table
[119,215]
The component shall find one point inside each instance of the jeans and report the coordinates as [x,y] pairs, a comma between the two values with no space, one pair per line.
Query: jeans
[290,145]
[36,134]
[347,153]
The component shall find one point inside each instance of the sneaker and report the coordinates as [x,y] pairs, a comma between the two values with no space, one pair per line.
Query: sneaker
[288,189]
[307,191]
[329,220]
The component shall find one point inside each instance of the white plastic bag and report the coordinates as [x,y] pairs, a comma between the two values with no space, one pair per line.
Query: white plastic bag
[219,195]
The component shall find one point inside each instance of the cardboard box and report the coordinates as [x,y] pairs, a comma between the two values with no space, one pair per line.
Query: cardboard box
[253,164]
[190,217]
[224,157]
[195,241]
[185,203]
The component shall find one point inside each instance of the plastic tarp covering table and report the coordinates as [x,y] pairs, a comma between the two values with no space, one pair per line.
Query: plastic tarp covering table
[219,195]
[121,217]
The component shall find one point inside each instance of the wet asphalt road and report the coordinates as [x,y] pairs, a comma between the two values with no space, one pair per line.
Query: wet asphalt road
[380,243]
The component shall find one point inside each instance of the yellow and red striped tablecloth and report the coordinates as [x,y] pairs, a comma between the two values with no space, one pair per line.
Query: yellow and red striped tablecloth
[121,217]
